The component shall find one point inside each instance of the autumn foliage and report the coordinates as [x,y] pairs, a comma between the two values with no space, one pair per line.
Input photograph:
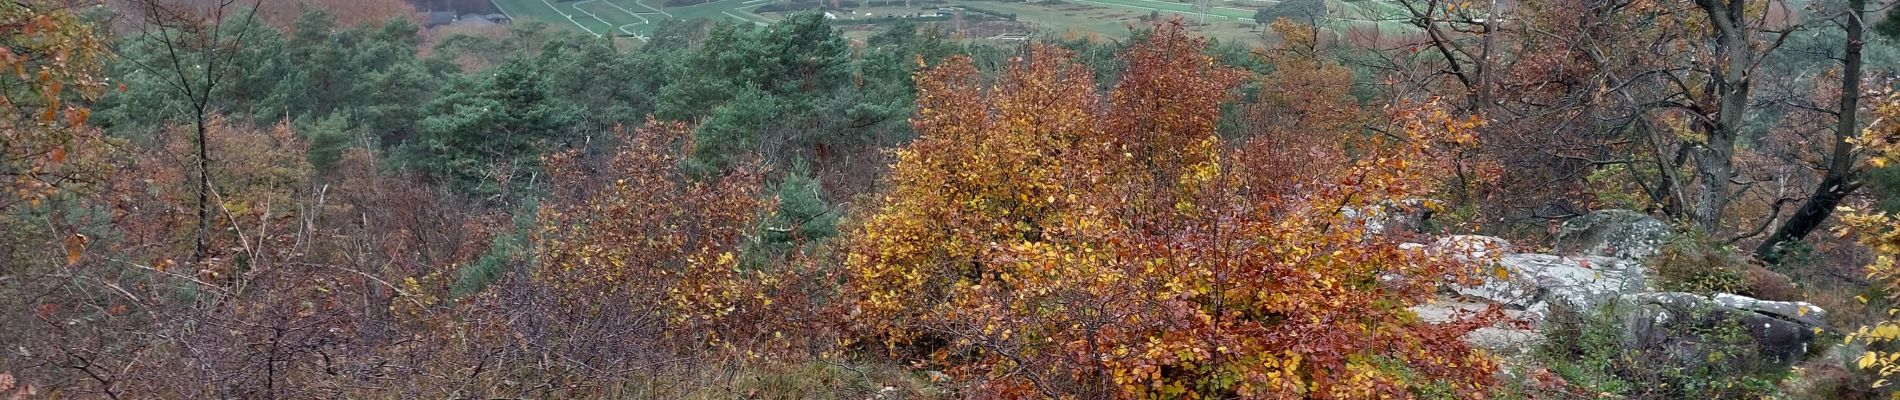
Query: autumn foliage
[50,65]
[1878,232]
[650,238]
[1180,220]
[1045,242]
[256,196]
[1304,94]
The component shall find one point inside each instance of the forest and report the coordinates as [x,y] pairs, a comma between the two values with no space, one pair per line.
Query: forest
[1531,199]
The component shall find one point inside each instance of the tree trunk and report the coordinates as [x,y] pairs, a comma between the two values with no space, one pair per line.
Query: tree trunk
[1715,166]
[204,191]
[1483,106]
[1842,178]
[1715,157]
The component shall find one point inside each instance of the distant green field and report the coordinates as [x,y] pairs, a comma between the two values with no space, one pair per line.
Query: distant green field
[622,17]
[1223,12]
[612,14]
[536,10]
[733,9]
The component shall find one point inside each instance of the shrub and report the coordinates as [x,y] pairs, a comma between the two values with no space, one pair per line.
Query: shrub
[1770,285]
[819,380]
[614,249]
[1040,239]
[1691,263]
[1597,351]
[994,13]
[1833,378]
[473,277]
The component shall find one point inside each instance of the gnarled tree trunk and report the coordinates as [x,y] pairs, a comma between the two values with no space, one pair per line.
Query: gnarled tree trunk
[1842,177]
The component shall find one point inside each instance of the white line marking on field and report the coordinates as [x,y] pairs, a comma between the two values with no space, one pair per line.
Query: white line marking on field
[570,17]
[643,20]
[662,11]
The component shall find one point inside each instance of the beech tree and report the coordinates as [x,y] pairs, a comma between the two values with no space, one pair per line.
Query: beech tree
[1046,242]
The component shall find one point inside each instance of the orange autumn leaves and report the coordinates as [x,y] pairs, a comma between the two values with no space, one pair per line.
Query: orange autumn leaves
[1045,242]
[1041,239]
[50,63]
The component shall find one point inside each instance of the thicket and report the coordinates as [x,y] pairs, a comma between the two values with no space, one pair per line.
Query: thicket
[730,210]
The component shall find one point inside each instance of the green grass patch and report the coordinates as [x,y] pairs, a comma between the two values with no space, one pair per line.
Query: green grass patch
[722,9]
[598,25]
[611,14]
[1222,12]
[536,10]
[555,15]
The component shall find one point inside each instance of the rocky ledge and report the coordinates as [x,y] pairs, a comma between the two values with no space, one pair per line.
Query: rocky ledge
[1600,268]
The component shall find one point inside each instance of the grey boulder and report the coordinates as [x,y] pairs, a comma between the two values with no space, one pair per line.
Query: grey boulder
[1624,234]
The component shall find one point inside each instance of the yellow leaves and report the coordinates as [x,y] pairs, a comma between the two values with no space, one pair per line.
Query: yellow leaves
[1886,331]
[1881,139]
[1877,232]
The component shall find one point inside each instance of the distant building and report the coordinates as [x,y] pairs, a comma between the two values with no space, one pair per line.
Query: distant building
[473,22]
[439,18]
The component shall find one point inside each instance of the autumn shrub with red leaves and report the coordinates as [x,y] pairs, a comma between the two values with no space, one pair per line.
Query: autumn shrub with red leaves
[1038,241]
[639,248]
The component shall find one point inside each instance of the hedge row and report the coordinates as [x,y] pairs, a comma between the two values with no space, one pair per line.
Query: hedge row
[998,14]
